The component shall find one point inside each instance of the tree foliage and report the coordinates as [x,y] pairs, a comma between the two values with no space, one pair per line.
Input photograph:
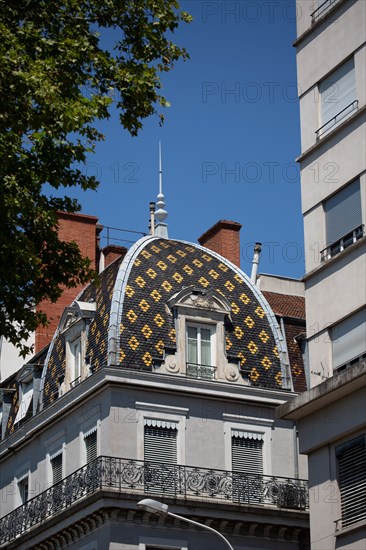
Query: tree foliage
[57,80]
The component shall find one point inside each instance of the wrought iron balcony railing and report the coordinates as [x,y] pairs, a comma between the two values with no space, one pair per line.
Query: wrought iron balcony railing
[195,370]
[159,479]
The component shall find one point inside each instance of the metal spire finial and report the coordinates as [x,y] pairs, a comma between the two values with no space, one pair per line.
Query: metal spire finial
[161,214]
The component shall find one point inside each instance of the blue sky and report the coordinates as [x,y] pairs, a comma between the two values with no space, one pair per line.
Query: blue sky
[229,141]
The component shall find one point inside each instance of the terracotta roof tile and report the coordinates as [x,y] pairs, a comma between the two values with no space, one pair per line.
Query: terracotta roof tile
[286,305]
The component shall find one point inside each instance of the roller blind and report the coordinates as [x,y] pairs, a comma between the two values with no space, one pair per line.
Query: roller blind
[247,454]
[351,459]
[160,443]
[337,91]
[343,212]
[349,339]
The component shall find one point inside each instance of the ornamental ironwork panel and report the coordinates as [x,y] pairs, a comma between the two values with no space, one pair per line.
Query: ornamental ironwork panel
[153,478]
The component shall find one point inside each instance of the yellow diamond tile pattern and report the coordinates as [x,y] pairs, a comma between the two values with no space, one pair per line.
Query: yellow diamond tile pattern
[249,321]
[161,269]
[203,282]
[250,337]
[131,316]
[238,332]
[155,295]
[263,336]
[133,342]
[177,277]
[146,331]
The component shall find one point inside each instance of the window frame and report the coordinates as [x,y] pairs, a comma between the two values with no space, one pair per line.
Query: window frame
[325,125]
[212,327]
[21,474]
[25,389]
[349,202]
[152,411]
[340,449]
[261,426]
[86,434]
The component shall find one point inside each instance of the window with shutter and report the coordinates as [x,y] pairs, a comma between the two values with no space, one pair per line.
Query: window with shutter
[160,455]
[351,462]
[337,97]
[56,467]
[247,466]
[23,486]
[349,340]
[343,219]
[90,440]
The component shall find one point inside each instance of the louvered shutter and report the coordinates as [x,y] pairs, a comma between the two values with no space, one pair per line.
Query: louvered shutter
[351,460]
[90,440]
[247,466]
[343,212]
[160,455]
[56,465]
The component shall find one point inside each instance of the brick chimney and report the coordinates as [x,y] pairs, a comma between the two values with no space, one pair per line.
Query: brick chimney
[223,238]
[112,252]
[85,232]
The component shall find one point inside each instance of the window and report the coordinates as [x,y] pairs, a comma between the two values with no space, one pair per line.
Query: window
[200,359]
[90,441]
[56,467]
[25,398]
[75,351]
[351,463]
[23,486]
[349,340]
[343,219]
[337,97]
[247,466]
[160,454]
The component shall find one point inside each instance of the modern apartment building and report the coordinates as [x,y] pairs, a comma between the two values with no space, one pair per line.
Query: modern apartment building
[331,62]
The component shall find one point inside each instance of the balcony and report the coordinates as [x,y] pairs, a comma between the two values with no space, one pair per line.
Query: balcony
[205,372]
[343,243]
[134,477]
[336,120]
[322,10]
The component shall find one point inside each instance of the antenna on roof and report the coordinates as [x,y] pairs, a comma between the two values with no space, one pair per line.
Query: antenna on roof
[161,228]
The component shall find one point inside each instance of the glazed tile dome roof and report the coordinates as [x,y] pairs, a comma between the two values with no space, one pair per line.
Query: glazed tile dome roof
[132,325]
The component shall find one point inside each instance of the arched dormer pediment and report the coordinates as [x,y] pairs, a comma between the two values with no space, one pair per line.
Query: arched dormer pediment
[77,311]
[199,298]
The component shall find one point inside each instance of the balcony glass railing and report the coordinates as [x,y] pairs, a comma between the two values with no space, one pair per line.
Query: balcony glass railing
[134,477]
[343,243]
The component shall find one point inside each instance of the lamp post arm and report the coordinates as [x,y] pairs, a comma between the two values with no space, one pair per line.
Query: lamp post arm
[203,526]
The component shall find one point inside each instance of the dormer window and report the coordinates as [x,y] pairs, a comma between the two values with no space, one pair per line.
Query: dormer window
[200,351]
[25,398]
[75,325]
[75,361]
[200,317]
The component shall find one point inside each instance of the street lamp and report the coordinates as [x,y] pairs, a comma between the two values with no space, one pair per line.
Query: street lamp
[161,509]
